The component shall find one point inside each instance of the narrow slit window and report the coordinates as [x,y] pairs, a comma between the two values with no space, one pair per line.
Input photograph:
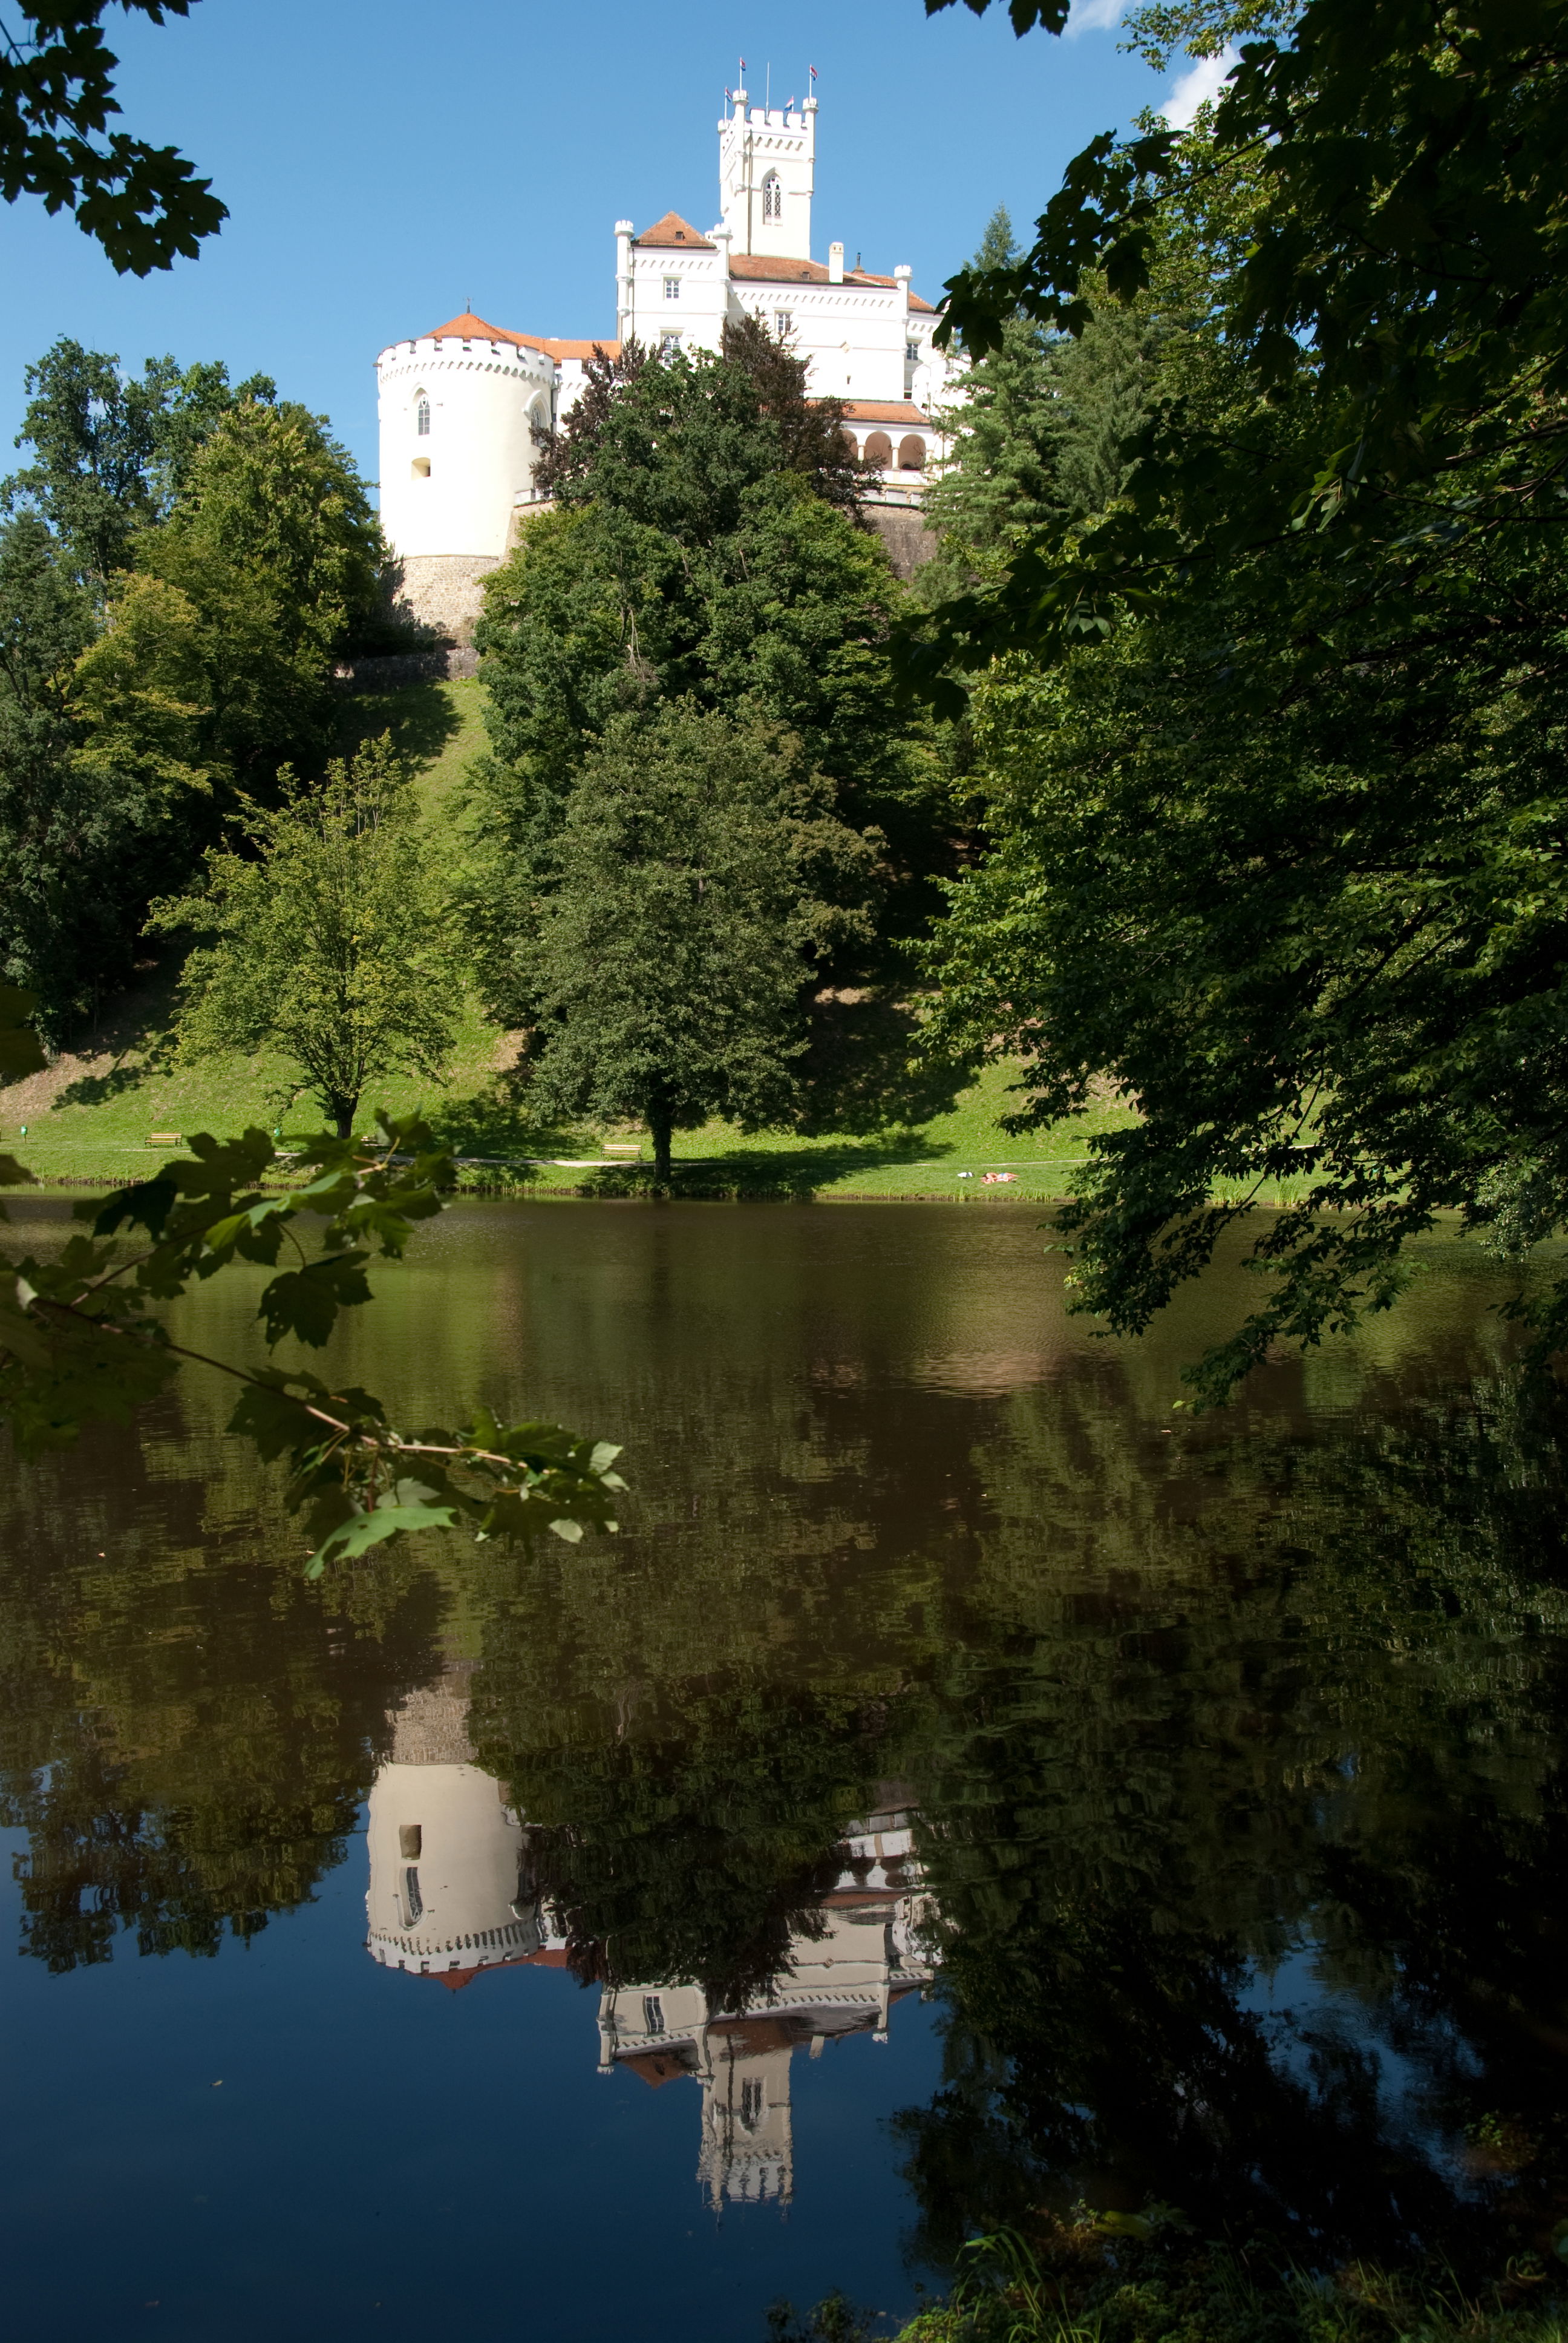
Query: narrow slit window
[411,1896]
[652,2014]
[772,198]
[672,288]
[750,2104]
[422,416]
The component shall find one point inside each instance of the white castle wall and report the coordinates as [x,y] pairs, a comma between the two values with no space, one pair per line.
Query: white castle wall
[448,492]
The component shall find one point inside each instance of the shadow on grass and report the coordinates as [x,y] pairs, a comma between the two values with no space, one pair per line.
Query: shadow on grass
[419,716]
[792,1176]
[135,1030]
[494,1124]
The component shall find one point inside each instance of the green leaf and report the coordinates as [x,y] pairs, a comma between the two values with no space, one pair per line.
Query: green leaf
[148,1206]
[305,1302]
[365,1529]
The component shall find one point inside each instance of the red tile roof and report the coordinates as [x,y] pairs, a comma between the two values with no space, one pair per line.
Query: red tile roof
[456,1979]
[876,410]
[769,270]
[557,350]
[467,327]
[672,230]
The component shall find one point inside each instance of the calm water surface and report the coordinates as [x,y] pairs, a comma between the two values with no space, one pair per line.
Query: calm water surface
[967,1785]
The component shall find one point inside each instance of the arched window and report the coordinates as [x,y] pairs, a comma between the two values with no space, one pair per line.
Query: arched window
[911,453]
[422,415]
[880,450]
[772,198]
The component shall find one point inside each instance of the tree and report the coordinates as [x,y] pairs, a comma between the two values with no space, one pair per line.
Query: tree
[333,943]
[1274,739]
[1040,433]
[101,805]
[141,204]
[671,953]
[688,560]
[111,451]
[278,557]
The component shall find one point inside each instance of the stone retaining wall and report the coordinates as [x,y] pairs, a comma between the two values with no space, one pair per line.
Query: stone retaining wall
[390,671]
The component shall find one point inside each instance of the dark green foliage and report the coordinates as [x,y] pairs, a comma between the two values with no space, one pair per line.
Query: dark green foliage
[83,842]
[690,560]
[1270,1719]
[179,572]
[111,452]
[698,881]
[186,1740]
[696,1860]
[143,204]
[1279,828]
[1042,434]
[1147,2278]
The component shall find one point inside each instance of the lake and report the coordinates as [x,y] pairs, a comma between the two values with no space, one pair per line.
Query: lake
[968,1784]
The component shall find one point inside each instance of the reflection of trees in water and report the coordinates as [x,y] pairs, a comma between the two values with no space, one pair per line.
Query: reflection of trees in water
[1171,1707]
[186,1728]
[1300,1693]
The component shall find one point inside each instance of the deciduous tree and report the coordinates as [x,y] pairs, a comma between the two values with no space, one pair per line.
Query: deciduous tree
[332,937]
[698,875]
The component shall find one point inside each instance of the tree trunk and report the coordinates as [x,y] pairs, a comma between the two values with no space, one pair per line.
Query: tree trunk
[343,1116]
[659,1127]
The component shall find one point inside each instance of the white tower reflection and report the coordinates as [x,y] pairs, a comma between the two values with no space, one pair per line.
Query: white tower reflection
[449,1894]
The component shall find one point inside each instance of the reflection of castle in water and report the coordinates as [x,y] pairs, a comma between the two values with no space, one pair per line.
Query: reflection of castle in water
[449,1897]
[845,1981]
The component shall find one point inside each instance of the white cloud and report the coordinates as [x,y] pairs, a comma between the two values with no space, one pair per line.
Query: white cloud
[1203,80]
[1094,16]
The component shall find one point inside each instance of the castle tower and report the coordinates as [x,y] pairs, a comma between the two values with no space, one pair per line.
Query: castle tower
[460,408]
[767,170]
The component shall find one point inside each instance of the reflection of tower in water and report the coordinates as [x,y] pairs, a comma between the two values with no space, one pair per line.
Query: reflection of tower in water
[451,1895]
[870,1952]
[449,1892]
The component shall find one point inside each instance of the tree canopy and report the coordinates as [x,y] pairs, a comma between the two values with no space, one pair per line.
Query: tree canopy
[331,937]
[143,204]
[113,451]
[699,879]
[181,568]
[697,556]
[1272,738]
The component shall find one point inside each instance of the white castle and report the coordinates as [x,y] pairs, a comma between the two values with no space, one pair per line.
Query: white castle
[464,408]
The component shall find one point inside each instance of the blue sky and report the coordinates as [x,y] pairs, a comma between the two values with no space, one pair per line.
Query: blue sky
[385,162]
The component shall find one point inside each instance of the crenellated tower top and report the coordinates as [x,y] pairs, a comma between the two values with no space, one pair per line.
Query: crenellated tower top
[766,165]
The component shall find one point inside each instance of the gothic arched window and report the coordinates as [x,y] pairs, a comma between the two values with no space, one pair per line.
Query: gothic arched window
[422,416]
[772,198]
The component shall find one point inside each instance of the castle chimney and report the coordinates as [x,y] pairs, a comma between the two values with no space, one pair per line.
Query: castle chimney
[835,263]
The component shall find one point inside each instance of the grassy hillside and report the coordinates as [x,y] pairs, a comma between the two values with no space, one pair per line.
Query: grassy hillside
[93,1115]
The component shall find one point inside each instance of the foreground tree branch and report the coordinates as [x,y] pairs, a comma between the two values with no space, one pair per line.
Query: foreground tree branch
[80,1342]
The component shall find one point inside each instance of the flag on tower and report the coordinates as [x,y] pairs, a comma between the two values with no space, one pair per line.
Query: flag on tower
[812,70]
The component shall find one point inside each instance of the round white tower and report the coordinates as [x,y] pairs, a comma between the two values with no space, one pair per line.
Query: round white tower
[462,410]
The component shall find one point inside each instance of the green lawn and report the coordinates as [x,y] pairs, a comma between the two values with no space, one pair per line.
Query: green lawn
[93,1116]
